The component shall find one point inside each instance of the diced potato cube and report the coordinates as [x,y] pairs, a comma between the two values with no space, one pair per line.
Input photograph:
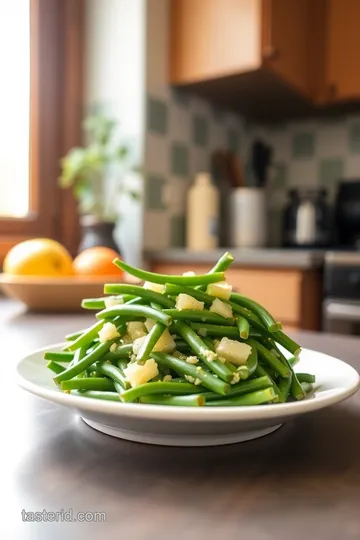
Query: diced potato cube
[165,343]
[221,308]
[235,352]
[138,374]
[111,301]
[138,343]
[185,301]
[149,323]
[221,290]
[136,329]
[108,332]
[156,287]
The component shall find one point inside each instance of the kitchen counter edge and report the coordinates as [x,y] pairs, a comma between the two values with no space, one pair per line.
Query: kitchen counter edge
[267,257]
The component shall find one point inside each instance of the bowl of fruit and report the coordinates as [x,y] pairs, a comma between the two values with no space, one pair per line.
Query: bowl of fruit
[41,274]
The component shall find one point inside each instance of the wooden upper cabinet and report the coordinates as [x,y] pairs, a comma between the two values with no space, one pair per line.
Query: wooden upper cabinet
[211,39]
[342,50]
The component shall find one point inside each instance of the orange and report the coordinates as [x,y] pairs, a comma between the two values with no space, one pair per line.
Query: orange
[38,257]
[96,261]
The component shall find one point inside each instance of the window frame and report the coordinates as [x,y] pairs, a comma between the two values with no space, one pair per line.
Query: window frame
[56,92]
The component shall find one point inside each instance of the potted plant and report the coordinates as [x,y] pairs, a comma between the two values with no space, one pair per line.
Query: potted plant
[97,175]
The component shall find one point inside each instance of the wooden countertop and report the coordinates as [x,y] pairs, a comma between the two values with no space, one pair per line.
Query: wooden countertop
[303,480]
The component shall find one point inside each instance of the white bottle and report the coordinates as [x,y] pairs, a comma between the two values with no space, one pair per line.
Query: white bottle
[202,214]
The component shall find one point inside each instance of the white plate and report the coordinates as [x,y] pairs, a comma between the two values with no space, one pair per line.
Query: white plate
[182,426]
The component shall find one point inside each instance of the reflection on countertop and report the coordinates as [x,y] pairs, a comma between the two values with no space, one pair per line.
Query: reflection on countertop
[265,257]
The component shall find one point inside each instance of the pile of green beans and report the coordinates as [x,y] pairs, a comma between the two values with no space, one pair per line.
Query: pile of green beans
[191,374]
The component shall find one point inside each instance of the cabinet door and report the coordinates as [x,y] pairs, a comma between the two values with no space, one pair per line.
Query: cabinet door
[343,46]
[286,41]
[213,38]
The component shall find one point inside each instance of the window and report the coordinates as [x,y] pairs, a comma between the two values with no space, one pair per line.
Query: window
[14,108]
[40,111]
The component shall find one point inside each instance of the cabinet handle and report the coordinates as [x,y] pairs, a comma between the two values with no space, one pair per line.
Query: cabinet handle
[269,50]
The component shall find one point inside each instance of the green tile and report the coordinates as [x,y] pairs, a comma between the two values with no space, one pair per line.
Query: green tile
[280,176]
[200,131]
[303,145]
[177,231]
[179,159]
[157,116]
[354,138]
[233,141]
[331,170]
[154,192]
[180,97]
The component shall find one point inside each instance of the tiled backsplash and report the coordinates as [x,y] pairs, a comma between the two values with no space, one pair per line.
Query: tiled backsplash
[182,131]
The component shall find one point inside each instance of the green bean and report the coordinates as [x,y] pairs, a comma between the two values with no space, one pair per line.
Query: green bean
[96,394]
[242,388]
[293,360]
[262,372]
[296,388]
[138,311]
[182,347]
[84,363]
[252,361]
[100,303]
[59,356]
[55,367]
[122,351]
[87,337]
[284,386]
[113,373]
[223,264]
[74,335]
[156,305]
[175,290]
[164,278]
[287,342]
[122,364]
[282,369]
[209,343]
[194,400]
[200,349]
[306,387]
[197,372]
[151,296]
[160,387]
[88,383]
[247,314]
[259,310]
[243,326]
[247,400]
[196,315]
[151,340]
[305,377]
[205,329]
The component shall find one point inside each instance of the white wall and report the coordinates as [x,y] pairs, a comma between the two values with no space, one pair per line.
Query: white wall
[115,78]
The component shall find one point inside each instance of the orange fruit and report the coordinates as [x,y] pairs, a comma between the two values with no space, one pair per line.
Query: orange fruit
[38,257]
[96,261]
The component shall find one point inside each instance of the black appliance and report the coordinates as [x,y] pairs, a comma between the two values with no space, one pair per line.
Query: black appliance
[347,214]
[307,219]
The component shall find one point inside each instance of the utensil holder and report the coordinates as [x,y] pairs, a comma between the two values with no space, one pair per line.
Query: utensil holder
[248,217]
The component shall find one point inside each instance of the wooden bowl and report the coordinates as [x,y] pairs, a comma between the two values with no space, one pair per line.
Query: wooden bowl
[40,293]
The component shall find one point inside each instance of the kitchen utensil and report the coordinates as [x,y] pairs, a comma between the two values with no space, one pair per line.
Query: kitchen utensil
[261,156]
[307,219]
[248,217]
